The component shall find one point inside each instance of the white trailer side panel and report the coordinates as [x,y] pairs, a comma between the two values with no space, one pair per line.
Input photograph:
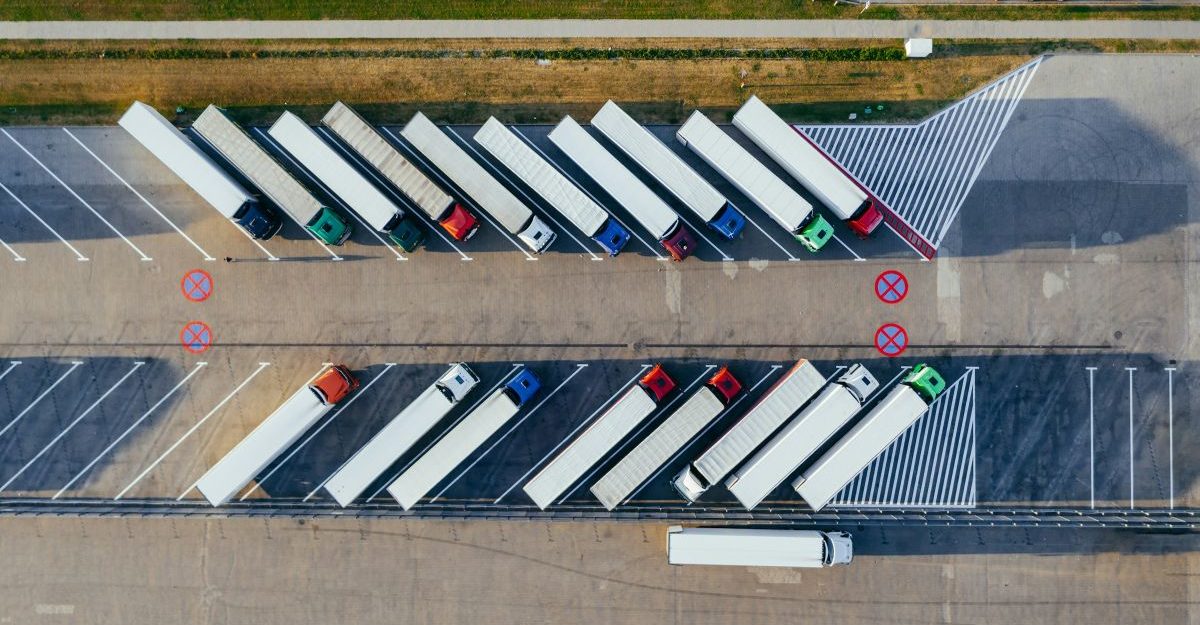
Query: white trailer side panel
[750,176]
[745,547]
[590,447]
[261,446]
[784,453]
[796,155]
[546,181]
[401,433]
[318,157]
[782,400]
[654,214]
[183,158]
[256,164]
[469,175]
[453,449]
[384,157]
[659,161]
[865,441]
[649,455]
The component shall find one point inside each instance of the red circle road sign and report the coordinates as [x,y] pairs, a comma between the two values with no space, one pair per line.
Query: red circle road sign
[891,287]
[197,285]
[196,337]
[891,340]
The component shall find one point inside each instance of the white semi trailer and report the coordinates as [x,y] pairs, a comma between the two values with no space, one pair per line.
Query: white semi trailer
[400,434]
[669,170]
[669,437]
[624,187]
[195,168]
[821,418]
[808,165]
[470,176]
[781,401]
[438,205]
[758,183]
[601,436]
[463,439]
[886,421]
[756,547]
[554,187]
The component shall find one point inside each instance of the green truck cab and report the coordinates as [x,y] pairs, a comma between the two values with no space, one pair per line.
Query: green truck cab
[407,234]
[330,226]
[926,381]
[815,234]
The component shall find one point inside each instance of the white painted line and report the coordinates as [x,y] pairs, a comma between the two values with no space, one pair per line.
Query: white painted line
[848,248]
[11,365]
[78,255]
[578,367]
[20,415]
[507,376]
[317,430]
[770,238]
[196,426]
[446,182]
[129,429]
[1092,431]
[637,434]
[141,197]
[333,255]
[1131,370]
[136,365]
[633,232]
[16,257]
[1170,435]
[76,195]
[512,185]
[573,432]
[700,233]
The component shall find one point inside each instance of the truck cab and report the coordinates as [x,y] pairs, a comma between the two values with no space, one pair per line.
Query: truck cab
[329,226]
[522,387]
[457,382]
[839,548]
[460,223]
[859,382]
[814,234]
[537,235]
[407,234]
[689,484]
[258,220]
[334,384]
[680,243]
[729,222]
[927,382]
[612,237]
[657,383]
[866,219]
[724,385]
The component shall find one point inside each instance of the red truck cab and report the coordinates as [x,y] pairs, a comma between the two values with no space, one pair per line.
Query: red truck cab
[680,243]
[460,223]
[334,384]
[657,383]
[724,385]
[866,219]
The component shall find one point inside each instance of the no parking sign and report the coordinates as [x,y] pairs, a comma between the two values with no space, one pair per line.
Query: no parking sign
[891,339]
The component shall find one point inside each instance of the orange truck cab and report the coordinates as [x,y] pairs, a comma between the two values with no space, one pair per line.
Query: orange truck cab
[334,384]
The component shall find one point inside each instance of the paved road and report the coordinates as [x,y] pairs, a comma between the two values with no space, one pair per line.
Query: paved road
[545,29]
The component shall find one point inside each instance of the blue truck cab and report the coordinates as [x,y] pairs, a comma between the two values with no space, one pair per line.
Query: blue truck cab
[729,222]
[258,220]
[522,387]
[612,237]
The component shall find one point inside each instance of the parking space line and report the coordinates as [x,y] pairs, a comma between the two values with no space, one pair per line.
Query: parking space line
[431,170]
[700,232]
[562,171]
[11,365]
[574,432]
[578,368]
[76,196]
[1171,436]
[191,430]
[532,203]
[1131,370]
[387,367]
[770,238]
[848,248]
[265,137]
[141,197]
[507,376]
[74,365]
[386,188]
[16,257]
[136,365]
[78,255]
[1092,431]
[128,430]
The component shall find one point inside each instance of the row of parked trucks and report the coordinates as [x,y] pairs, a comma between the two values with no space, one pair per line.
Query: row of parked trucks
[786,432]
[396,191]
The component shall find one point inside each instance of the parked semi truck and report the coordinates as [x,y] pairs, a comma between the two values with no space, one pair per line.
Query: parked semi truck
[752,547]
[275,434]
[346,182]
[470,176]
[780,401]
[669,170]
[400,434]
[463,439]
[601,436]
[554,187]
[669,437]
[261,169]
[821,418]
[438,205]
[906,403]
[808,165]
[195,168]
[620,183]
[758,183]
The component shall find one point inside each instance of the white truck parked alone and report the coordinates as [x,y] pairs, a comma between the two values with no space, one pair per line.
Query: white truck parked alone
[753,547]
